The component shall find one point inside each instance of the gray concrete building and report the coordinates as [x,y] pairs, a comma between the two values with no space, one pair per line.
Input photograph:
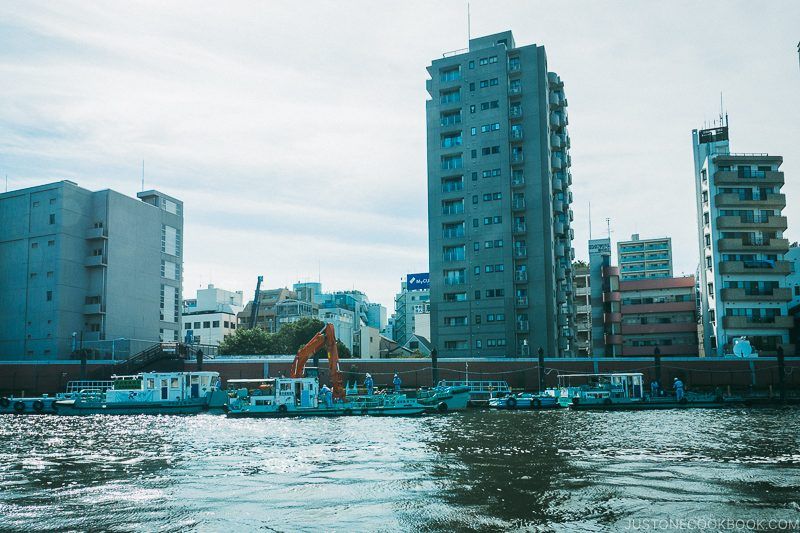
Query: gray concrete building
[410,306]
[499,200]
[94,267]
[644,258]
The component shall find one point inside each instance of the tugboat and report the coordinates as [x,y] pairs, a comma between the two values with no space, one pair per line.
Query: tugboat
[299,395]
[146,393]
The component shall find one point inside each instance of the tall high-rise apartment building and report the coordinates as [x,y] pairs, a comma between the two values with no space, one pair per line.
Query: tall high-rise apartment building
[740,228]
[499,203]
[644,258]
[97,268]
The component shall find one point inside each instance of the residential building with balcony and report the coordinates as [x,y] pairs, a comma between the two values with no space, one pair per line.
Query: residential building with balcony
[741,226]
[659,314]
[644,258]
[98,264]
[499,203]
[604,300]
[583,308]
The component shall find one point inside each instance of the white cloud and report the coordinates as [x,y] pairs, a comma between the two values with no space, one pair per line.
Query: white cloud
[295,132]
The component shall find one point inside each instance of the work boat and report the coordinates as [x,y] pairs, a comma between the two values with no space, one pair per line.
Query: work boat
[287,397]
[523,400]
[444,398]
[146,393]
[601,391]
[300,395]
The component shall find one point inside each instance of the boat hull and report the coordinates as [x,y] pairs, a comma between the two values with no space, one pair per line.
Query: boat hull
[453,399]
[326,412]
[149,408]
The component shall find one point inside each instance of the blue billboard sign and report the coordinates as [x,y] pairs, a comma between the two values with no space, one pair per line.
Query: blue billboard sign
[416,282]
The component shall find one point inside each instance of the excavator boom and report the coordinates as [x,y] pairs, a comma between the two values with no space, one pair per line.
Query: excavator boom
[325,337]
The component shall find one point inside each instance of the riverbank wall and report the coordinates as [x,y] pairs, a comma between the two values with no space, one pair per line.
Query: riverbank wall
[49,377]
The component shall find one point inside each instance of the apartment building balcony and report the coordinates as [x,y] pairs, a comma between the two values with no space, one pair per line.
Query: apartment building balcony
[613,339]
[520,252]
[518,204]
[753,245]
[94,309]
[558,204]
[522,301]
[521,276]
[560,250]
[561,297]
[555,142]
[558,184]
[768,223]
[674,327]
[96,233]
[562,321]
[518,181]
[558,228]
[556,121]
[756,267]
[523,325]
[583,291]
[756,322]
[664,307]
[95,261]
[583,310]
[614,296]
[778,294]
[561,273]
[519,228]
[608,318]
[516,134]
[729,200]
[571,234]
[724,177]
[557,163]
[515,112]
[514,90]
[517,158]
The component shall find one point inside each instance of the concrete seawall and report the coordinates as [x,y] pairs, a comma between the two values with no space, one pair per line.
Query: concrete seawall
[702,373]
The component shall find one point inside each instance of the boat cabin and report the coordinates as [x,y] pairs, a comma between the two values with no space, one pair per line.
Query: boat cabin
[162,386]
[298,392]
[613,386]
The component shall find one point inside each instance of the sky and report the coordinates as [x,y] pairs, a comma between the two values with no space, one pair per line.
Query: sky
[294,132]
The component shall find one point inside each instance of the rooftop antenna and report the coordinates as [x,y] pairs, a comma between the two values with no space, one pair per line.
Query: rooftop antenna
[608,224]
[469,24]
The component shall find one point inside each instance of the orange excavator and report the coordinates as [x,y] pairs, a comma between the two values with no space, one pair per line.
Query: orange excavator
[326,337]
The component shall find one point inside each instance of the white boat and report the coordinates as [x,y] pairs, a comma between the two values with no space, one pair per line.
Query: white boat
[523,400]
[146,393]
[288,397]
[480,391]
[444,398]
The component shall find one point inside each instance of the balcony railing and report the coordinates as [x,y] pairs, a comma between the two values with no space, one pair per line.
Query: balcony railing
[523,325]
[520,227]
[518,181]
[517,157]
[520,252]
[521,276]
[522,301]
[518,203]
[515,112]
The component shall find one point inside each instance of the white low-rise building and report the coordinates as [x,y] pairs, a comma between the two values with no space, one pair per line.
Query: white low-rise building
[210,317]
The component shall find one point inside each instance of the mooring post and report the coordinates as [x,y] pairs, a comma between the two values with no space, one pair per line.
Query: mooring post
[657,362]
[781,374]
[541,369]
[434,367]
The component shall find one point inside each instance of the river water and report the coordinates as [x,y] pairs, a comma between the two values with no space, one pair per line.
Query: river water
[478,470]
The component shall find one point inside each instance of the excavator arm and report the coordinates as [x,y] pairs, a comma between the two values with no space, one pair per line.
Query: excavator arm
[325,337]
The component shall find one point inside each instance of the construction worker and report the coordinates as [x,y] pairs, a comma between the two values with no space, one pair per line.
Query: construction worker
[397,382]
[369,384]
[678,386]
[327,393]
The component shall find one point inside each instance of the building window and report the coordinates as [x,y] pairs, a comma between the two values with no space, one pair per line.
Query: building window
[215,324]
[206,324]
[49,296]
[34,245]
[52,218]
[33,275]
[51,243]
[197,325]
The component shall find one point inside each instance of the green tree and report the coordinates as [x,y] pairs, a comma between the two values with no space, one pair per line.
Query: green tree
[287,341]
[248,341]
